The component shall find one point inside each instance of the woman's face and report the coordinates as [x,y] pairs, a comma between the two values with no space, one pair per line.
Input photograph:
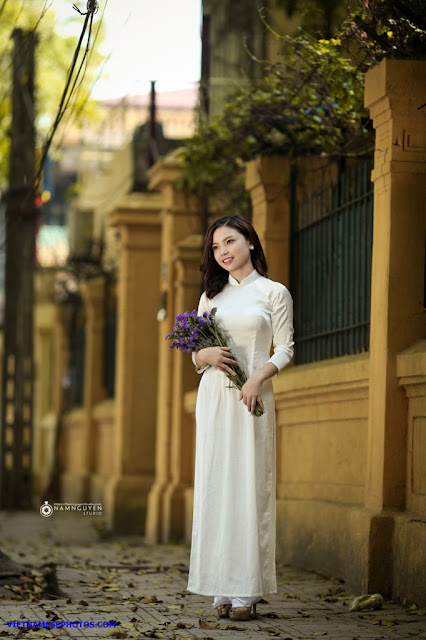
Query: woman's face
[232,251]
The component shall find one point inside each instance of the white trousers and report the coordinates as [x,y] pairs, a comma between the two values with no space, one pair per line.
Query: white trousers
[235,602]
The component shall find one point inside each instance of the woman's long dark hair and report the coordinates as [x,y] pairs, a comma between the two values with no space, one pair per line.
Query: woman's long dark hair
[215,277]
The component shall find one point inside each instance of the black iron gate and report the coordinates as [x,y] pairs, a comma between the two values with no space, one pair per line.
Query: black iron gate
[331,265]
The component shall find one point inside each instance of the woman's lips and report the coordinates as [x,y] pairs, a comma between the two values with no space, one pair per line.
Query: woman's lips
[227,260]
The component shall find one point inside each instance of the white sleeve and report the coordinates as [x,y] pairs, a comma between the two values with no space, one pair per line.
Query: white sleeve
[203,306]
[282,327]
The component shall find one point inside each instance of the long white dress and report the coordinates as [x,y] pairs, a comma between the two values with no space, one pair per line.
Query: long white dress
[233,533]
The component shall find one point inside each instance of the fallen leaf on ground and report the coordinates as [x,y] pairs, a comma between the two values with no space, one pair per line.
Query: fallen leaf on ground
[274,631]
[151,600]
[204,624]
[116,633]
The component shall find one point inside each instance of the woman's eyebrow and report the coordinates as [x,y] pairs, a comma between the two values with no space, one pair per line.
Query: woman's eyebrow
[227,238]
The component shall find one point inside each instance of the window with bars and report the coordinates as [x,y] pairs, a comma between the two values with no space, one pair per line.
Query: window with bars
[332,232]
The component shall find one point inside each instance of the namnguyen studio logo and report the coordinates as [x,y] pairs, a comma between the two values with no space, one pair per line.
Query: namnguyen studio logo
[86,508]
[46,509]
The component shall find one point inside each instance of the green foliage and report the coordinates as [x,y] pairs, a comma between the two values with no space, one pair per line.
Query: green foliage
[53,57]
[392,29]
[311,102]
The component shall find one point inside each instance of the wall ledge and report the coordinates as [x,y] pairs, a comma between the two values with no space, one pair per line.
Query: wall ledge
[105,410]
[345,373]
[75,417]
[411,363]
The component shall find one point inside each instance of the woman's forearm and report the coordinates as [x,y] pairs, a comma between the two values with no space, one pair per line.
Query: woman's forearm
[267,371]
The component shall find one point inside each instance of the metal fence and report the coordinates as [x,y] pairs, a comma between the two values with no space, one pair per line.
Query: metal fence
[110,348]
[77,342]
[331,266]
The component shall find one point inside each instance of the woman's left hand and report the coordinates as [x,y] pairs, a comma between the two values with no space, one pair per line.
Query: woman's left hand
[251,392]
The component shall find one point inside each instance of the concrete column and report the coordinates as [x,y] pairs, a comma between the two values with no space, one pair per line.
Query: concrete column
[179,219]
[79,441]
[138,222]
[268,181]
[61,353]
[184,379]
[394,91]
[94,391]
[43,351]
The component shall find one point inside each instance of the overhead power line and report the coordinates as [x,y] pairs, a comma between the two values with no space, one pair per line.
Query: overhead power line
[77,113]
[73,76]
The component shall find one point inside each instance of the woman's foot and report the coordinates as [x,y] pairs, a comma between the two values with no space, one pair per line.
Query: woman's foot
[242,608]
[223,610]
[242,613]
[222,606]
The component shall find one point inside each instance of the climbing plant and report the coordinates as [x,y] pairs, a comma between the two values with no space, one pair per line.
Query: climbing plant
[309,102]
[393,29]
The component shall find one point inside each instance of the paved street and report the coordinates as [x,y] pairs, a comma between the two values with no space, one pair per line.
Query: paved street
[143,589]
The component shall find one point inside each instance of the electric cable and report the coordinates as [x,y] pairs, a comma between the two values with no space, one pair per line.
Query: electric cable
[92,8]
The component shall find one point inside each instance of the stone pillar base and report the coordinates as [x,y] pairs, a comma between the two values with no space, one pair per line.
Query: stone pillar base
[75,487]
[376,533]
[154,513]
[125,503]
[97,487]
[409,561]
[188,496]
[173,528]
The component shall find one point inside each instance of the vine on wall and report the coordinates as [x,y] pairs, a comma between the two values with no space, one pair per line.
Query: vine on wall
[310,102]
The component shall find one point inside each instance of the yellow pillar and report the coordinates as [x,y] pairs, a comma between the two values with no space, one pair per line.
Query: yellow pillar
[138,222]
[268,181]
[94,390]
[44,422]
[394,91]
[179,219]
[75,481]
[184,379]
[61,353]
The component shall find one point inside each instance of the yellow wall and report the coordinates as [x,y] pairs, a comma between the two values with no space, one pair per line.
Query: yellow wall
[322,413]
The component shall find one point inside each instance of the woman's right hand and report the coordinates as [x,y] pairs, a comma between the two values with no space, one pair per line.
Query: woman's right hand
[219,357]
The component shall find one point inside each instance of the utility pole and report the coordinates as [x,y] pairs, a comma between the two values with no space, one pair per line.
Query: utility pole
[18,362]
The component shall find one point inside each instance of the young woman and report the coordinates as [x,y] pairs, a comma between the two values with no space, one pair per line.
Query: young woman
[233,535]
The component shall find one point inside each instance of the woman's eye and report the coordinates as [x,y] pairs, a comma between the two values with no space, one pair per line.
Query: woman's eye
[214,248]
[230,240]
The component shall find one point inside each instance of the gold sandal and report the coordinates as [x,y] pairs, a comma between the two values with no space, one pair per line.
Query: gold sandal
[242,613]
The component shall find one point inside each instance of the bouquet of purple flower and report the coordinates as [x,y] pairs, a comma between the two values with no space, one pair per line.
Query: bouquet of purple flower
[192,333]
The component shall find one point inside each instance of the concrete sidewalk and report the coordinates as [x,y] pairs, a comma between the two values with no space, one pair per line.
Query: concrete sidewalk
[143,589]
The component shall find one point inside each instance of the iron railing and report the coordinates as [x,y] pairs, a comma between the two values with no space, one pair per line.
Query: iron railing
[110,349]
[77,364]
[331,266]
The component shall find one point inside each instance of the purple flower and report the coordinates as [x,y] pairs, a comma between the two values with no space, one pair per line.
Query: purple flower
[192,333]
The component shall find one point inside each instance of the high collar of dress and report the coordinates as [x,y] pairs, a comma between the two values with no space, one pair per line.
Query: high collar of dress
[254,275]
